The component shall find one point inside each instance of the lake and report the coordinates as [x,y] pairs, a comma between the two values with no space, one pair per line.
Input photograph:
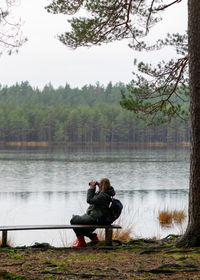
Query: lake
[49,185]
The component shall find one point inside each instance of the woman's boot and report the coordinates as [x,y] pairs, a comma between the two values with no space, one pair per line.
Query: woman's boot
[80,242]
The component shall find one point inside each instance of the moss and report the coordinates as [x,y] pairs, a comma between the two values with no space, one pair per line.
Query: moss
[7,275]
[125,262]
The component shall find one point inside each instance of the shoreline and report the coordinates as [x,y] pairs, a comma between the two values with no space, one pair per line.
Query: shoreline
[92,144]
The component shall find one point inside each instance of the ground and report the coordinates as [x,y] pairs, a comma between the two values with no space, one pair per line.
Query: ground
[137,259]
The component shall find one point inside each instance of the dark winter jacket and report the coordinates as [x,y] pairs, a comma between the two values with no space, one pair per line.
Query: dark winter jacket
[99,203]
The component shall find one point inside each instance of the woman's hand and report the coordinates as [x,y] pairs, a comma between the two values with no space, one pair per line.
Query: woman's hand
[92,184]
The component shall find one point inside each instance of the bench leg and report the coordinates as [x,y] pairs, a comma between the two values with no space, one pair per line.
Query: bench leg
[108,236]
[4,238]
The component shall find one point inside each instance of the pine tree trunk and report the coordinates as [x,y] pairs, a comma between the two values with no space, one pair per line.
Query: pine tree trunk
[192,234]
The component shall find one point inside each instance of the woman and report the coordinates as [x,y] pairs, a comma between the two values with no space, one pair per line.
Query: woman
[99,208]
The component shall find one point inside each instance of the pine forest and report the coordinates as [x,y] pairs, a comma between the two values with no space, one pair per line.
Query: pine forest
[91,114]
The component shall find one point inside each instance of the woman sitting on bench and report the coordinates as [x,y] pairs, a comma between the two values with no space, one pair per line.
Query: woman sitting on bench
[99,207]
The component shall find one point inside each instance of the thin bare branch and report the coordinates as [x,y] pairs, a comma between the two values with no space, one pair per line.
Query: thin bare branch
[149,17]
[10,33]
[139,4]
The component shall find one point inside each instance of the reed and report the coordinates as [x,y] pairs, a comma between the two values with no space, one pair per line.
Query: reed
[178,216]
[165,217]
[168,218]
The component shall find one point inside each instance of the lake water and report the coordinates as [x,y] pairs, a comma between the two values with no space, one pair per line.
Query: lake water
[48,186]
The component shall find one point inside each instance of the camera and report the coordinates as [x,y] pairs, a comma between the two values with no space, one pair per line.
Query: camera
[96,184]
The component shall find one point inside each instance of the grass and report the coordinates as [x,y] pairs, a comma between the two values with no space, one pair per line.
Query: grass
[122,235]
[165,218]
[179,216]
[168,218]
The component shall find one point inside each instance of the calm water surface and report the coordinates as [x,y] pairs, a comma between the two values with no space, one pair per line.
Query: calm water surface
[47,186]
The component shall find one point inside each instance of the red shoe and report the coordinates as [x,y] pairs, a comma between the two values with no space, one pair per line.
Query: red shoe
[80,242]
[95,239]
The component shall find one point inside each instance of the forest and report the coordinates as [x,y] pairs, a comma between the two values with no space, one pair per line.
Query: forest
[90,114]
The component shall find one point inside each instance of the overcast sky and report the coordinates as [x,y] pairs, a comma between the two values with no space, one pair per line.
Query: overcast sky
[44,59]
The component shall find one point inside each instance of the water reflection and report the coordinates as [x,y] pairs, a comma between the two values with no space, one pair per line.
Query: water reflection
[40,170]
[141,209]
[129,194]
[41,186]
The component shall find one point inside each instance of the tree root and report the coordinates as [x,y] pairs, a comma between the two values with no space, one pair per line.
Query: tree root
[11,264]
[172,268]
[8,275]
[170,236]
[82,275]
[153,249]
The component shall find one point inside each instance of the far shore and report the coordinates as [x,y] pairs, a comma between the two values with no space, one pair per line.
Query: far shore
[93,144]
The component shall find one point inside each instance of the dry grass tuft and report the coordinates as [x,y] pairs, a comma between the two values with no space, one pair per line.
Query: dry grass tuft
[123,234]
[179,216]
[167,218]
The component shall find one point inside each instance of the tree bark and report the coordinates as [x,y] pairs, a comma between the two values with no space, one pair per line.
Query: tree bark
[192,235]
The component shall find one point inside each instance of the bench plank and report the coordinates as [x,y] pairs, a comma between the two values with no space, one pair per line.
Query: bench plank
[35,227]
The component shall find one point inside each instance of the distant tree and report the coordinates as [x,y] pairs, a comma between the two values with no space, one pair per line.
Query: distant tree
[108,21]
[109,88]
[11,37]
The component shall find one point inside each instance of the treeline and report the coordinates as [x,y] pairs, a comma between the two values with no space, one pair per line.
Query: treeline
[88,95]
[90,114]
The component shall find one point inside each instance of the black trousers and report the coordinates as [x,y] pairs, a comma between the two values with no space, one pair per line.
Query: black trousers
[83,220]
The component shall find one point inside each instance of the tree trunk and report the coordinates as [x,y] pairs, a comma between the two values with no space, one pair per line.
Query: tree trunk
[192,234]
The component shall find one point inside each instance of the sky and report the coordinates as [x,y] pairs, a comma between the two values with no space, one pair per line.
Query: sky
[44,59]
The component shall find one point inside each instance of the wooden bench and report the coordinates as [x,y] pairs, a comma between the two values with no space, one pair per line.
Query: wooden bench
[108,230]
